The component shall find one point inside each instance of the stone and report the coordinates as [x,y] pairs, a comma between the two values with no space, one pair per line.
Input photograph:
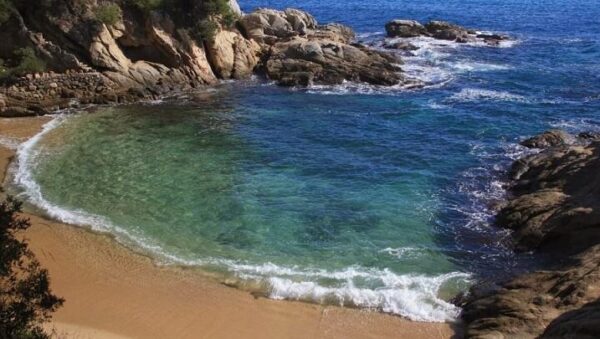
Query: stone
[405,29]
[447,31]
[400,45]
[550,138]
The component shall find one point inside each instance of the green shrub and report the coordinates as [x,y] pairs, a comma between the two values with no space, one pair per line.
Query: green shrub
[109,14]
[29,62]
[221,9]
[5,10]
[205,30]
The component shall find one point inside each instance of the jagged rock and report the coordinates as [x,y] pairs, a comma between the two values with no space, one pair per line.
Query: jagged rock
[446,31]
[400,45]
[441,30]
[547,139]
[329,62]
[557,303]
[105,53]
[405,29]
[332,32]
[232,56]
[554,209]
[268,25]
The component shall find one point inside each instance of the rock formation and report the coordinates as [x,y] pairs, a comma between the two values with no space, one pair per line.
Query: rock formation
[145,52]
[440,30]
[298,51]
[554,210]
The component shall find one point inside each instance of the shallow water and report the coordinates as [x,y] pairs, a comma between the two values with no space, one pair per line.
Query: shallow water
[350,194]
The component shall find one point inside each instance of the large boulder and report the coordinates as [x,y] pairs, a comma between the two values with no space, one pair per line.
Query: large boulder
[302,61]
[553,209]
[447,31]
[232,56]
[404,29]
[555,303]
[550,138]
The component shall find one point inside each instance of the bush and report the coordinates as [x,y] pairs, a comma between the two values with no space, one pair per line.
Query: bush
[5,10]
[205,30]
[220,8]
[26,301]
[29,62]
[109,14]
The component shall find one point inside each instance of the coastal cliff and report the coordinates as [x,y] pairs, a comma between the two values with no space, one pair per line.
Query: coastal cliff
[124,50]
[554,212]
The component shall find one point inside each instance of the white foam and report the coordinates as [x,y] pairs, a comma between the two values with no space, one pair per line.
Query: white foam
[577,125]
[10,143]
[476,94]
[471,66]
[404,252]
[415,297]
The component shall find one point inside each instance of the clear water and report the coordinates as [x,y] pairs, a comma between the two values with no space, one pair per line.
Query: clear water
[353,195]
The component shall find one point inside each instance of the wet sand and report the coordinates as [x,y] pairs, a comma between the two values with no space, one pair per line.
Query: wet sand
[113,292]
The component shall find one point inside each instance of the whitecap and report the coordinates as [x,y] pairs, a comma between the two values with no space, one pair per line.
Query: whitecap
[476,94]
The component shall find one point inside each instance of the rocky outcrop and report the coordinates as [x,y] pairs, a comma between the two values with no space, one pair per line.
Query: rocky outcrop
[441,30]
[405,29]
[551,138]
[557,303]
[554,209]
[152,52]
[300,52]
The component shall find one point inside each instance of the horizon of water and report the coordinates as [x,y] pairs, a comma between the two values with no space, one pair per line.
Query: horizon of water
[354,195]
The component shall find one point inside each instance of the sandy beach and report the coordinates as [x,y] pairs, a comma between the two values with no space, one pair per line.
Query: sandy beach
[113,292]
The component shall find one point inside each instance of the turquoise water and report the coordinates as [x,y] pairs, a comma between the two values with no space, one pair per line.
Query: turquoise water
[353,195]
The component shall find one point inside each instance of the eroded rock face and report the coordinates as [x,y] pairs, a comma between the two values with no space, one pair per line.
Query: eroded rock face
[232,56]
[554,209]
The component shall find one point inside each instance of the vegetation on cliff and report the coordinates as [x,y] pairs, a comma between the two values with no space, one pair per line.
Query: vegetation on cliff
[26,300]
[24,61]
[108,14]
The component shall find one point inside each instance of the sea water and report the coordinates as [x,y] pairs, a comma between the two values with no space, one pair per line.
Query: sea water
[352,195]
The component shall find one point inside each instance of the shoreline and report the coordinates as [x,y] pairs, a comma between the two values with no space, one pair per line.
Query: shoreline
[113,292]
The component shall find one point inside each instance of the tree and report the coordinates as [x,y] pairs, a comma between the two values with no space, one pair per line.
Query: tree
[26,301]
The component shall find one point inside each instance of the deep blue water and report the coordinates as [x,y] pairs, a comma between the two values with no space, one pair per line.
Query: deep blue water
[350,194]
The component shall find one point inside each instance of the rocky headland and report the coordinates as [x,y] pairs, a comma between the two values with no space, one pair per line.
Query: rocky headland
[554,211]
[58,54]
[134,52]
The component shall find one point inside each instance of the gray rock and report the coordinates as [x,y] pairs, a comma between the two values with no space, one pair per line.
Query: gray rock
[550,138]
[404,29]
